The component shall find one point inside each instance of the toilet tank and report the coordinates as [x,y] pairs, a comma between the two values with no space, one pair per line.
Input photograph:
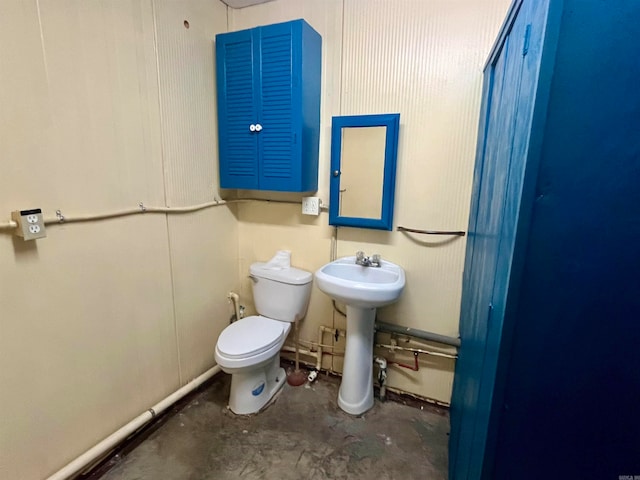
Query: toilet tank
[281,294]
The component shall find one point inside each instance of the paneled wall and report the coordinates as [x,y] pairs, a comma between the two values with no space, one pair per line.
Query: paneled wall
[204,246]
[106,104]
[422,58]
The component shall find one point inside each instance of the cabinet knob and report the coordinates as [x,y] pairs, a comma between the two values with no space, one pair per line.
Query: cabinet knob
[336,173]
[252,127]
[258,127]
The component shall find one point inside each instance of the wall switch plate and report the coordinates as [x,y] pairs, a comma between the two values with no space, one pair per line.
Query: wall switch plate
[30,223]
[311,205]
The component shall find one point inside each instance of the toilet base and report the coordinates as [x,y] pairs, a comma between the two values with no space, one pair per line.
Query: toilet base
[253,389]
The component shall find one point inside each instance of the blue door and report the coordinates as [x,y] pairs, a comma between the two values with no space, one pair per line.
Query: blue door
[511,80]
[480,268]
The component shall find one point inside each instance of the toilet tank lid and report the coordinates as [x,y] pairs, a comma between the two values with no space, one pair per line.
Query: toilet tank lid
[291,275]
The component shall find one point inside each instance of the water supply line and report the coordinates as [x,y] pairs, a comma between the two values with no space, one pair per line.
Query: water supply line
[319,346]
[415,367]
[322,329]
[415,350]
[106,445]
[335,308]
[235,299]
[383,364]
[421,334]
[382,372]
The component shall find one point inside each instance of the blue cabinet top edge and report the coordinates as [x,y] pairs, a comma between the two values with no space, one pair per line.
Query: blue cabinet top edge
[290,22]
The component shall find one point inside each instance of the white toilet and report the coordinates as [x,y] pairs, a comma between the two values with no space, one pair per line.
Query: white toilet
[249,349]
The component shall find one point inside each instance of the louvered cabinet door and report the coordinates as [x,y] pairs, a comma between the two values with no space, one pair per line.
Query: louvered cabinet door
[269,107]
[237,83]
[279,107]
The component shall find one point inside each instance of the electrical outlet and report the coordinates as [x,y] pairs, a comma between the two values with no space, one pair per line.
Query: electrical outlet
[311,206]
[30,223]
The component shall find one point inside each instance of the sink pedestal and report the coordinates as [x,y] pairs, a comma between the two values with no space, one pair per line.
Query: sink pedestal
[362,289]
[356,389]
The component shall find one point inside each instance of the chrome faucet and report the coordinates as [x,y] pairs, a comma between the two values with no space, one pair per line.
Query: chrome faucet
[374,261]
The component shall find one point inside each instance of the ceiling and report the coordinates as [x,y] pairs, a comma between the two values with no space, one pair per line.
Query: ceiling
[243,3]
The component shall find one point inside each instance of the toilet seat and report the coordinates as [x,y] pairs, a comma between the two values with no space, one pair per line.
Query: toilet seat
[250,340]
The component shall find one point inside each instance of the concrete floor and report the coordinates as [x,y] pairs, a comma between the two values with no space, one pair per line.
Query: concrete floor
[302,435]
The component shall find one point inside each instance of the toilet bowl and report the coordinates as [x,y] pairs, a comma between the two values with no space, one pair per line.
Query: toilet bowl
[249,349]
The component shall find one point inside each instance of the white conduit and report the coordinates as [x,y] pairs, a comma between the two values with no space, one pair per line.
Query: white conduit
[62,219]
[118,436]
[10,225]
[131,211]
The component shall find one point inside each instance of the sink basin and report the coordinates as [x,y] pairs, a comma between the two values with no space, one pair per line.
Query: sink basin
[362,289]
[360,286]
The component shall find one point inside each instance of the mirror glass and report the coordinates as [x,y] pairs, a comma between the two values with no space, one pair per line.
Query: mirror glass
[362,171]
[363,159]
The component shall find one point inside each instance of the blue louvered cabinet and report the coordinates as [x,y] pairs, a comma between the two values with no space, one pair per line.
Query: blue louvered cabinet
[268,81]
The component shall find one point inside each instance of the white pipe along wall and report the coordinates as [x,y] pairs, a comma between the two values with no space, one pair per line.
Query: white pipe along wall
[121,434]
[60,218]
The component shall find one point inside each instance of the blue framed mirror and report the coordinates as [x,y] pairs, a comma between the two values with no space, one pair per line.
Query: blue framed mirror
[364,151]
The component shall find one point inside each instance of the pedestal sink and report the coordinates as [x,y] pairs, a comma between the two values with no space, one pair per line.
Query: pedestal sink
[362,289]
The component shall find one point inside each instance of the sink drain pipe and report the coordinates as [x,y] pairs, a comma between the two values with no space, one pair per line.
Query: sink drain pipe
[106,445]
[382,377]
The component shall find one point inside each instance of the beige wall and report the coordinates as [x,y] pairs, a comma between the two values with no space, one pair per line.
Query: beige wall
[422,58]
[106,104]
